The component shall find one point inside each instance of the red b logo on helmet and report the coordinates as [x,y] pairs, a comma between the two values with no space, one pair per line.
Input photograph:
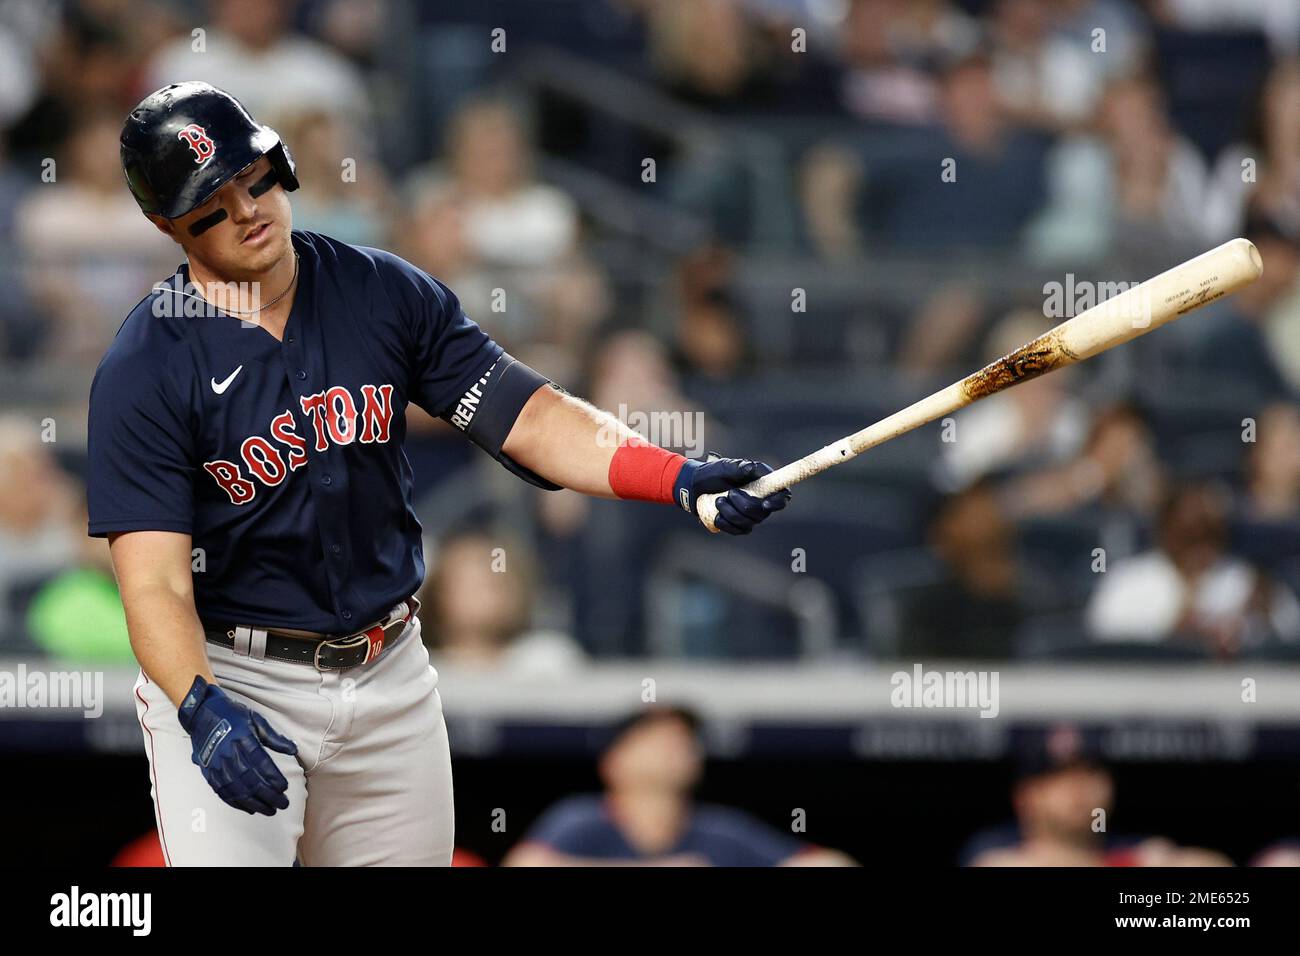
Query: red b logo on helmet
[197,138]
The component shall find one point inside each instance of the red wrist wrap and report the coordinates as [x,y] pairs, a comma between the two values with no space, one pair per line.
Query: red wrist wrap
[644,472]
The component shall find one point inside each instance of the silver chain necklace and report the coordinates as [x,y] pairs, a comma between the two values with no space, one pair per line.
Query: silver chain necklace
[261,308]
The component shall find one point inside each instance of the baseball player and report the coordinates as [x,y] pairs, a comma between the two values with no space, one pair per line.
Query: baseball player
[246,465]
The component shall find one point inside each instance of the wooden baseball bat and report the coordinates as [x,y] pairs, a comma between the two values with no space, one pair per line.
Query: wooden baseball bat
[1119,319]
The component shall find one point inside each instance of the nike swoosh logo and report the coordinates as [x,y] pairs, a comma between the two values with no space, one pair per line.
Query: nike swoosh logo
[226,384]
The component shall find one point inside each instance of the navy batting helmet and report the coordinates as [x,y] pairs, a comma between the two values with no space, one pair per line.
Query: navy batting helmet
[183,142]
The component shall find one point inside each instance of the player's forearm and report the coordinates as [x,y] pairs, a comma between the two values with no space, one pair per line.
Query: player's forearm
[574,445]
[167,638]
[567,441]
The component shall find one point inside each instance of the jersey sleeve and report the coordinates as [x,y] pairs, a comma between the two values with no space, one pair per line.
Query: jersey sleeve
[449,352]
[140,450]
[458,372]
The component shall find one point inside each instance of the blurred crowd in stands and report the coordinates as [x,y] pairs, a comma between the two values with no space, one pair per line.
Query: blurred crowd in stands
[849,203]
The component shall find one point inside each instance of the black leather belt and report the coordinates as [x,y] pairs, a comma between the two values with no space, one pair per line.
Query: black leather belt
[323,653]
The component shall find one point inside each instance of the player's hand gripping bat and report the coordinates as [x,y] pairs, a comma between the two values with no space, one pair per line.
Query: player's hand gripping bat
[1119,319]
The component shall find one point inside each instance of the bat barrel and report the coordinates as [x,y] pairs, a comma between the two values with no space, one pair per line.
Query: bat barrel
[1121,318]
[1161,299]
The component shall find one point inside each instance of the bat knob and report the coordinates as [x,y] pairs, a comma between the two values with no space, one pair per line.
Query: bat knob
[706,509]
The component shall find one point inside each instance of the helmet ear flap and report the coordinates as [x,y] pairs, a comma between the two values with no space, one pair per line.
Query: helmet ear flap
[282,163]
[136,173]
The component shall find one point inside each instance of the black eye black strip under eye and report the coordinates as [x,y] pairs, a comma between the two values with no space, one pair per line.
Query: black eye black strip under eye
[200,226]
[257,189]
[263,184]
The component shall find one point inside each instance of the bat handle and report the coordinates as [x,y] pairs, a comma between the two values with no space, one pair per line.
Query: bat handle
[706,506]
[706,509]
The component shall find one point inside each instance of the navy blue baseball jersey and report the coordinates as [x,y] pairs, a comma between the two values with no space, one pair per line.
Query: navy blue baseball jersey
[283,459]
[585,826]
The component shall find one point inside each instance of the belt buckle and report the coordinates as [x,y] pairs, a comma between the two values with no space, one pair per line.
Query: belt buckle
[342,644]
[375,636]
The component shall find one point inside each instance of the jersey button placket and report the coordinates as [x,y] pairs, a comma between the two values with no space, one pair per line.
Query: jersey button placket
[293,356]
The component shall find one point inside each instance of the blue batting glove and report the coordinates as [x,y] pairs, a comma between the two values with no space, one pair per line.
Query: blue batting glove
[228,747]
[738,512]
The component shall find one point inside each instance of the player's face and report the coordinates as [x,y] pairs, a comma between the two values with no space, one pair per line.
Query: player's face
[1064,803]
[659,754]
[252,231]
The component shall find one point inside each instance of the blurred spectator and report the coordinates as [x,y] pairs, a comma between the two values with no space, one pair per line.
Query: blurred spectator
[21,328]
[249,50]
[1242,342]
[1280,22]
[482,219]
[647,816]
[356,28]
[976,181]
[1272,469]
[547,323]
[1059,797]
[1131,185]
[1117,470]
[19,80]
[941,332]
[998,181]
[1063,798]
[343,189]
[571,305]
[88,279]
[709,339]
[830,183]
[88,54]
[1190,589]
[431,233]
[737,57]
[892,49]
[719,71]
[511,219]
[974,609]
[40,533]
[1045,79]
[477,609]
[1036,421]
[1262,172]
[1282,853]
[932,32]
[1123,26]
[631,377]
